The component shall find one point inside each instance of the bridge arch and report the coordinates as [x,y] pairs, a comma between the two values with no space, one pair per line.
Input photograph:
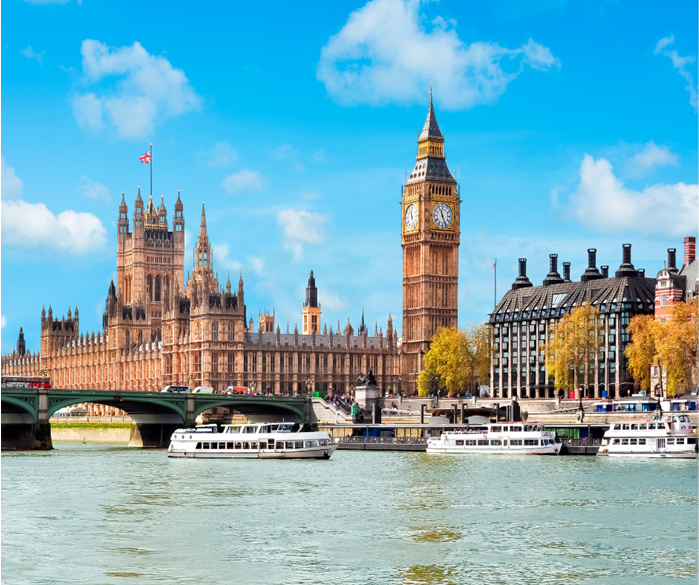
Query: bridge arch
[134,403]
[14,405]
[254,406]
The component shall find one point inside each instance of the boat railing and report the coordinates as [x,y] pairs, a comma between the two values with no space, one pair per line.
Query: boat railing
[384,440]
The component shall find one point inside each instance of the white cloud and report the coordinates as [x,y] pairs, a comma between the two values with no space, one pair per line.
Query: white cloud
[332,301]
[30,53]
[679,63]
[223,260]
[256,264]
[146,89]
[384,53]
[93,189]
[651,156]
[221,155]
[11,183]
[309,196]
[243,181]
[301,228]
[284,151]
[3,321]
[32,224]
[602,203]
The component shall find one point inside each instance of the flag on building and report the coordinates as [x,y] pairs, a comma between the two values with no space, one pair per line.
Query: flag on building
[145,159]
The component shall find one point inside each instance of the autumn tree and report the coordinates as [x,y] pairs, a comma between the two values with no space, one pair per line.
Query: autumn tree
[670,346]
[642,353]
[456,360]
[573,344]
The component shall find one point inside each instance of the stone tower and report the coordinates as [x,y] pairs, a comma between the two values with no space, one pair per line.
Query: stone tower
[311,308]
[430,239]
[150,260]
[203,277]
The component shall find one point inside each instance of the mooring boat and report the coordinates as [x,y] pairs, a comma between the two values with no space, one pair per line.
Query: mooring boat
[497,439]
[251,441]
[669,437]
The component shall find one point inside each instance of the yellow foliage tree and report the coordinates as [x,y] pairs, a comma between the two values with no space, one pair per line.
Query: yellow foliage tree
[456,359]
[573,343]
[642,352]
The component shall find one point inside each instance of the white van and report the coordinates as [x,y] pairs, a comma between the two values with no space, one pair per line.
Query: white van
[176,389]
[203,390]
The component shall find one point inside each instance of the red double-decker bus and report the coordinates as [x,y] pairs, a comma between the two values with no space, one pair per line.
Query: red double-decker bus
[26,382]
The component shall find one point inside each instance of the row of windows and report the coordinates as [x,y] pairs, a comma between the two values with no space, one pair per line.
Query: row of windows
[256,445]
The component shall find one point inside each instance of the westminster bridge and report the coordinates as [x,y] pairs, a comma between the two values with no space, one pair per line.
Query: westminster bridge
[26,412]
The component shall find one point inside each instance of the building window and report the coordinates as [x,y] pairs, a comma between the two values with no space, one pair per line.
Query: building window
[230,362]
[214,331]
[157,288]
[663,300]
[231,331]
[149,287]
[214,362]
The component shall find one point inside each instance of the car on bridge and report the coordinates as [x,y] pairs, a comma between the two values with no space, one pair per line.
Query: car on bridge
[176,389]
[203,390]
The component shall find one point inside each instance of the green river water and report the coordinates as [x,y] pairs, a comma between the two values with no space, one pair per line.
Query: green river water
[101,514]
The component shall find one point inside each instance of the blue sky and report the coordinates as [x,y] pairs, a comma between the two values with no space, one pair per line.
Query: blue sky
[572,125]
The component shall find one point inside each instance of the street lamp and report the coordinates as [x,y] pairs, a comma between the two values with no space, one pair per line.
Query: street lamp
[308,387]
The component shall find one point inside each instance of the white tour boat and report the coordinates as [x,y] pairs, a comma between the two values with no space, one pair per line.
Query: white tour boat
[669,437]
[498,439]
[251,441]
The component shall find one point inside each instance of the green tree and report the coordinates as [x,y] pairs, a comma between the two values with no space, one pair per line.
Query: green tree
[573,344]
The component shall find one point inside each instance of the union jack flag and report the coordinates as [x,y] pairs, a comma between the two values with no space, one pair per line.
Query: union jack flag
[145,159]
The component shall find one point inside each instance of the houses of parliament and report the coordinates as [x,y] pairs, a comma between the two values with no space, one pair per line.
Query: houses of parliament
[158,329]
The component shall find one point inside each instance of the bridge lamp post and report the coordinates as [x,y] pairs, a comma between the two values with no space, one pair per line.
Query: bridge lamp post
[308,387]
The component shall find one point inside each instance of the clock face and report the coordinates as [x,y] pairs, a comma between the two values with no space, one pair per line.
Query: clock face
[411,217]
[443,215]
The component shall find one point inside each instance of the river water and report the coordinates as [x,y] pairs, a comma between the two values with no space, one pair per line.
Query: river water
[101,514]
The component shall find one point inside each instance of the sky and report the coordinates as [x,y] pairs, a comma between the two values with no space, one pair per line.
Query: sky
[569,125]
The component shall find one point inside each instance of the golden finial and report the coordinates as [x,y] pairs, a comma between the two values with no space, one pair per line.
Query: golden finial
[431,86]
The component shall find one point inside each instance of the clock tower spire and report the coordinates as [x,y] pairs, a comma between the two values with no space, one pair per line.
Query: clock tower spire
[430,237]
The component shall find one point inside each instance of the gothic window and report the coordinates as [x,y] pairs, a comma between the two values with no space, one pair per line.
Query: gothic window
[245,363]
[157,288]
[230,362]
[231,331]
[214,331]
[214,362]
[272,359]
[140,338]
[127,342]
[149,287]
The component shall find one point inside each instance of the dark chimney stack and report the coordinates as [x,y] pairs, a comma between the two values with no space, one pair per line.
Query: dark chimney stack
[591,258]
[591,273]
[566,271]
[522,281]
[642,272]
[672,261]
[553,277]
[626,268]
[605,271]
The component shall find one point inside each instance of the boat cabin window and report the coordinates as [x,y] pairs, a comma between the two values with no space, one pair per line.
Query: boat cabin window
[684,418]
[229,445]
[624,441]
[515,442]
[250,430]
[495,429]
[531,442]
[482,442]
[233,430]
[634,427]
[679,441]
[198,446]
[625,427]
[264,429]
[633,441]
[238,444]
[617,427]
[670,441]
[691,441]
[642,427]
[661,426]
[641,441]
[496,442]
[289,444]
[651,426]
[459,442]
[516,429]
[263,444]
[616,442]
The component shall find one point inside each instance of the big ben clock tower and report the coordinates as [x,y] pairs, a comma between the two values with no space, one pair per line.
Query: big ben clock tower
[430,239]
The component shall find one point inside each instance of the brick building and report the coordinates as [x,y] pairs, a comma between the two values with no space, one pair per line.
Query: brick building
[159,330]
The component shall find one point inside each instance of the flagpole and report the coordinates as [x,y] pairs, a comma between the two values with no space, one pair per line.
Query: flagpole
[495,283]
[151,170]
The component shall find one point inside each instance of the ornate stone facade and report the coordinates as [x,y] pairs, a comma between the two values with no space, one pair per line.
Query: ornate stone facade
[156,331]
[430,238]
